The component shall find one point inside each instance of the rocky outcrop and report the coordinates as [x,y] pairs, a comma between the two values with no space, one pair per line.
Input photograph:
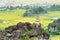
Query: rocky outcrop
[54,26]
[26,29]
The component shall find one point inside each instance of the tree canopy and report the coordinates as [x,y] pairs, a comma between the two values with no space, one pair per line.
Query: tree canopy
[34,10]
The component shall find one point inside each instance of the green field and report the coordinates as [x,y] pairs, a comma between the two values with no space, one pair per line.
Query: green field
[12,17]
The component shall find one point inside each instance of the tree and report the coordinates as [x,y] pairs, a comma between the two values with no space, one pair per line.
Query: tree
[33,11]
[55,7]
[38,10]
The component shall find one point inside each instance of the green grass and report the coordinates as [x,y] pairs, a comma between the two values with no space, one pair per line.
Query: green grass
[8,18]
[55,37]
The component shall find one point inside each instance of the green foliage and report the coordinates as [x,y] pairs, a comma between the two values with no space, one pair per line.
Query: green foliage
[38,10]
[1,21]
[34,11]
[55,33]
[55,8]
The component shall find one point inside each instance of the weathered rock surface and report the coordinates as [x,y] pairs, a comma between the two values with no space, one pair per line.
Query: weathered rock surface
[54,26]
[15,32]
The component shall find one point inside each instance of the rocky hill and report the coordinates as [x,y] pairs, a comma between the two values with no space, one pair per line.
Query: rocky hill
[26,29]
[54,26]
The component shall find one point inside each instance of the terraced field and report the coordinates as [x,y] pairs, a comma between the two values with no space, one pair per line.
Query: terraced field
[13,17]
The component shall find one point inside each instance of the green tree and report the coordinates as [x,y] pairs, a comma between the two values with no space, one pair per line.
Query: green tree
[33,11]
